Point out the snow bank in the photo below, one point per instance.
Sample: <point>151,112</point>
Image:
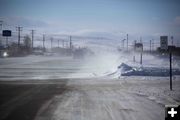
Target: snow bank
<point>126,70</point>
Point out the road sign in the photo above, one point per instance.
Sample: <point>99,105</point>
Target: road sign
<point>164,42</point>
<point>7,33</point>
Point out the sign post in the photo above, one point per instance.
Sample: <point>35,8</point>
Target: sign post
<point>141,58</point>
<point>170,69</point>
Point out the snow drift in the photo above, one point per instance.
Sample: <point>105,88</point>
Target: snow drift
<point>126,70</point>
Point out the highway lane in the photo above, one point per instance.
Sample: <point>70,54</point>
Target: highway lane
<point>42,93</point>
<point>100,100</point>
<point>22,100</point>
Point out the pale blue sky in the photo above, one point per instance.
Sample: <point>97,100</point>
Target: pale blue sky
<point>137,17</point>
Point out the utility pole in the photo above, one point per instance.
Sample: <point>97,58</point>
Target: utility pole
<point>170,67</point>
<point>63,43</point>
<point>134,58</point>
<point>43,42</point>
<point>1,23</point>
<point>141,58</point>
<point>58,43</point>
<point>127,42</point>
<point>150,45</point>
<point>134,45</point>
<point>32,33</point>
<point>70,43</point>
<point>51,42</point>
<point>172,40</point>
<point>19,29</point>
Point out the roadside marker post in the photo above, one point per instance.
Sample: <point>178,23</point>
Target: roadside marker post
<point>170,69</point>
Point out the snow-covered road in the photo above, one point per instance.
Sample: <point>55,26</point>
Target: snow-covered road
<point>37,67</point>
<point>107,104</point>
<point>88,94</point>
<point>108,100</point>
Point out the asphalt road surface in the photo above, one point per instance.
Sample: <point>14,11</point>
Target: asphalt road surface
<point>22,100</point>
<point>75,100</point>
